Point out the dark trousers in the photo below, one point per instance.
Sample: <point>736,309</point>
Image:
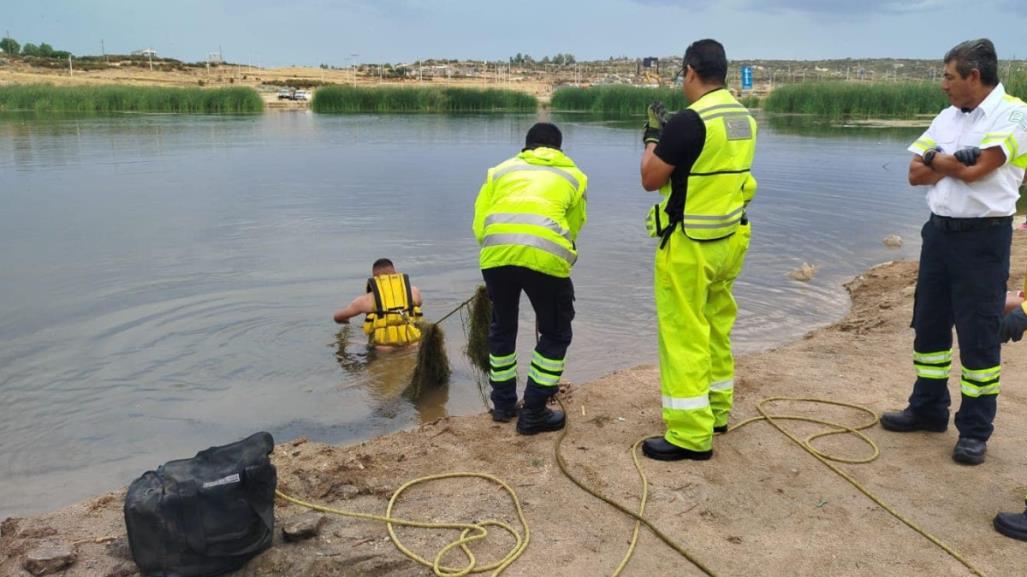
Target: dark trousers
<point>552,298</point>
<point>964,267</point>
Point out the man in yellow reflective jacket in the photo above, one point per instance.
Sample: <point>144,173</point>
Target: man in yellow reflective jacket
<point>526,219</point>
<point>392,306</point>
<point>700,162</point>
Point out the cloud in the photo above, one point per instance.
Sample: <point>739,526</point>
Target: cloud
<point>848,8</point>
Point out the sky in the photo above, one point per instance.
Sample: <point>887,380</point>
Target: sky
<point>344,32</point>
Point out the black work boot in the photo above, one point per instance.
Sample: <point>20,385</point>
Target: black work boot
<point>503,415</point>
<point>1012,525</point>
<point>663,450</point>
<point>539,420</point>
<point>906,421</point>
<point>969,451</point>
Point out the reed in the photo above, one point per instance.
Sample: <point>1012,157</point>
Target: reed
<point>355,99</point>
<point>836,99</point>
<point>432,369</point>
<point>108,99</point>
<point>480,317</point>
<point>615,99</point>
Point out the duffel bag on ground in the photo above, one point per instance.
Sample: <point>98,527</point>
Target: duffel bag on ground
<point>204,516</point>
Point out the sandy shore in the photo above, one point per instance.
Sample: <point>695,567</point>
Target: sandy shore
<point>761,506</point>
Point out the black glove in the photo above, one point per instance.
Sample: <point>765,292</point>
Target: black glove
<point>656,117</point>
<point>968,155</point>
<point>1013,325</point>
<point>930,153</point>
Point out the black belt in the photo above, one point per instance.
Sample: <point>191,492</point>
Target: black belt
<point>949,224</point>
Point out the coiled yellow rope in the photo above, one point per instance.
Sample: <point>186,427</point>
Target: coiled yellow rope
<point>469,532</point>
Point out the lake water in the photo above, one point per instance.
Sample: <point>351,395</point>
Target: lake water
<point>167,282</point>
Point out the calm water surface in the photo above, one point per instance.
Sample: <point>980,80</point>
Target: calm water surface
<point>167,282</point>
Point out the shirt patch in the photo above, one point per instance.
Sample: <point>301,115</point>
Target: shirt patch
<point>738,128</point>
<point>1018,118</point>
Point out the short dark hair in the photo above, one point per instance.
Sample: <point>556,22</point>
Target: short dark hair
<point>543,134</point>
<point>382,264</point>
<point>708,59</point>
<point>979,54</point>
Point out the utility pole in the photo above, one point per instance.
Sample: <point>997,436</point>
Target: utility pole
<point>70,71</point>
<point>102,51</point>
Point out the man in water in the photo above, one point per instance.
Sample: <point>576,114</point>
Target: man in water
<point>392,306</point>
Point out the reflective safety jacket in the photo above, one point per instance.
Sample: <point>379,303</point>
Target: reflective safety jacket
<point>710,203</point>
<point>394,321</point>
<point>529,212</point>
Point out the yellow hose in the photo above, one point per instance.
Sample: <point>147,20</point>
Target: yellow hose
<point>469,532</point>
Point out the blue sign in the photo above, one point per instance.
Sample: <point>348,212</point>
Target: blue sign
<point>747,78</point>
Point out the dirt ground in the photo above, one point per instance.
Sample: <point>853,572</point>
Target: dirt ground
<point>240,75</point>
<point>761,506</point>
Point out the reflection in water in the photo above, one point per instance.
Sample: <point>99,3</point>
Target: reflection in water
<point>386,377</point>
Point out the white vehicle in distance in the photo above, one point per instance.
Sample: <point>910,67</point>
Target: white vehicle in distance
<point>302,95</point>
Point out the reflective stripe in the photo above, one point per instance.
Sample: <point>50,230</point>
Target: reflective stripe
<point>729,113</point>
<point>932,372</point>
<point>723,385</point>
<point>971,390</point>
<point>982,375</point>
<point>702,111</point>
<point>736,212</point>
<point>566,175</point>
<point>924,143</point>
<point>718,225</point>
<point>685,403</point>
<point>503,375</point>
<point>937,357</point>
<point>532,219</point>
<point>543,378</point>
<point>556,365</point>
<point>503,361</point>
<point>532,241</point>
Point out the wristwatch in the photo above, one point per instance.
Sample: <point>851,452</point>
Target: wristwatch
<point>929,156</point>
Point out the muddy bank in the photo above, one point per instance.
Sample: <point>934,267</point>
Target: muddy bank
<point>761,506</point>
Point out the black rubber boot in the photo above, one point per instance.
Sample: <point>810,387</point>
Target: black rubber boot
<point>906,421</point>
<point>539,420</point>
<point>662,450</point>
<point>969,451</point>
<point>1012,525</point>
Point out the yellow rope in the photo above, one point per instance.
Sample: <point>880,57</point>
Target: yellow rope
<point>469,532</point>
<point>806,444</point>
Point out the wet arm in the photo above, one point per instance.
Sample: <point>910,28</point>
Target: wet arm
<point>360,305</point>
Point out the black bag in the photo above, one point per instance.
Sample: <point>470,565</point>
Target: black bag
<point>203,516</point>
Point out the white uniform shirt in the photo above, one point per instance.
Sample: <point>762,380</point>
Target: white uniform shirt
<point>1000,121</point>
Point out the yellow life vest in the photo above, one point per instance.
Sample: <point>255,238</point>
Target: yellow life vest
<point>711,204</point>
<point>394,320</point>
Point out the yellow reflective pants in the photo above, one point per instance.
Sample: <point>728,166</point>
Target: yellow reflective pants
<point>695,312</point>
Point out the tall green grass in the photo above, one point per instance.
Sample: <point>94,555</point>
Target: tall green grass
<point>835,99</point>
<point>342,99</point>
<point>615,99</point>
<point>105,99</point>
<point>901,100</point>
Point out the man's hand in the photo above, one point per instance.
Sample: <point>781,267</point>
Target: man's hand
<point>930,153</point>
<point>968,155</point>
<point>655,118</point>
<point>1013,326</point>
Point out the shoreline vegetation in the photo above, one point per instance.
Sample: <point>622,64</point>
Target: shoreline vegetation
<point>360,99</point>
<point>903,100</point>
<point>103,99</point>
<point>833,100</point>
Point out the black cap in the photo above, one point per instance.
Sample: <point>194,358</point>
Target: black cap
<point>543,134</point>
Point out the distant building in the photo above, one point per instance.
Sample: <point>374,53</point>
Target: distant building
<point>145,52</point>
